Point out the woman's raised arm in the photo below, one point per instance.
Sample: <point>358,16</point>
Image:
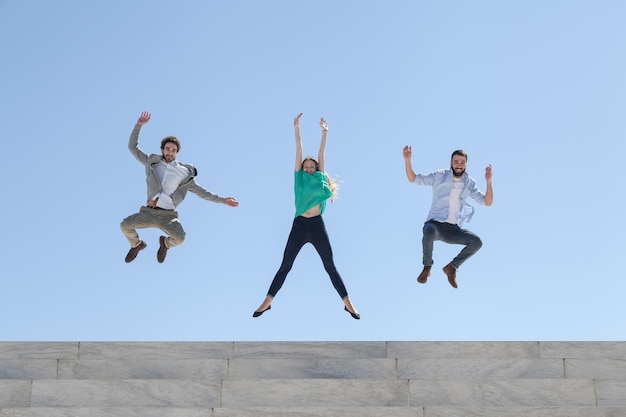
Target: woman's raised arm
<point>320,155</point>
<point>296,126</point>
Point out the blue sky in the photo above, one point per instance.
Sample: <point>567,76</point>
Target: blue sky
<point>535,88</point>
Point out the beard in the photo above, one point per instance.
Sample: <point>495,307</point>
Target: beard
<point>457,173</point>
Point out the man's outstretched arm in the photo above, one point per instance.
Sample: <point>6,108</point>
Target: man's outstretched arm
<point>205,194</point>
<point>489,192</point>
<point>133,142</point>
<point>406,153</point>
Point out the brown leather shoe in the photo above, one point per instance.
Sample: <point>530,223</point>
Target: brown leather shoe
<point>423,276</point>
<point>451,273</point>
<point>133,252</point>
<point>162,252</point>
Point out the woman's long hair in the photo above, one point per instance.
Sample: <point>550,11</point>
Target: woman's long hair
<point>333,184</point>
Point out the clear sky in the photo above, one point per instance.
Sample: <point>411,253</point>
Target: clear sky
<point>536,88</point>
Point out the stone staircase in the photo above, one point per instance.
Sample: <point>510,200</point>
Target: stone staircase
<point>347,379</point>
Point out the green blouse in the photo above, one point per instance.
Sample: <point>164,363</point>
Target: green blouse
<point>310,190</point>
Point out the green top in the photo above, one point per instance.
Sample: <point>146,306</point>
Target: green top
<point>310,190</point>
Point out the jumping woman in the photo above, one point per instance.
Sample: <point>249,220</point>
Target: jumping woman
<point>312,188</point>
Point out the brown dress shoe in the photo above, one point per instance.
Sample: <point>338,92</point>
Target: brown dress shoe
<point>451,273</point>
<point>162,252</point>
<point>132,253</point>
<point>423,276</point>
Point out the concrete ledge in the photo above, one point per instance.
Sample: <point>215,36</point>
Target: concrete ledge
<point>303,350</point>
<point>511,392</point>
<point>313,369</point>
<point>595,368</point>
<point>300,350</point>
<point>262,379</point>
<point>106,412</point>
<point>479,368</point>
<point>316,412</point>
<point>314,392</point>
<point>14,393</point>
<point>196,369</point>
<point>611,393</point>
<point>28,368</point>
<point>155,350</point>
<point>463,350</point>
<point>583,350</point>
<point>524,412</point>
<point>39,350</point>
<point>125,393</point>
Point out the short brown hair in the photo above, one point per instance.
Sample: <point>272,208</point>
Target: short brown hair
<point>171,139</point>
<point>459,152</point>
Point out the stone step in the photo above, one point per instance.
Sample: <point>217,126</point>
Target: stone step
<point>336,350</point>
<point>444,411</point>
<point>311,392</point>
<point>273,368</point>
<point>425,379</point>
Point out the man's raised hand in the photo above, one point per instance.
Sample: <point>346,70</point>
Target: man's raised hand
<point>144,118</point>
<point>406,152</point>
<point>488,173</point>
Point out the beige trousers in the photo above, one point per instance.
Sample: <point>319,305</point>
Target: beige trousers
<point>166,220</point>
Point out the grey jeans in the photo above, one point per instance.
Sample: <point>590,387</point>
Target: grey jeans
<point>166,220</point>
<point>449,233</point>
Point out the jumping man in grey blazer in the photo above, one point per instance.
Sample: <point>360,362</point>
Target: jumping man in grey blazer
<point>168,182</point>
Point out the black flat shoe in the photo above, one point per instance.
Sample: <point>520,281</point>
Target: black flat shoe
<point>258,313</point>
<point>355,316</point>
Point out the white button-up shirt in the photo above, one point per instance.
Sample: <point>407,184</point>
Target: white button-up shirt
<point>171,175</point>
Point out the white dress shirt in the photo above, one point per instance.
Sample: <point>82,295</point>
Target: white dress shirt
<point>171,175</point>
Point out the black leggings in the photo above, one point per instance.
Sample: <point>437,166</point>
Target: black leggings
<point>308,230</point>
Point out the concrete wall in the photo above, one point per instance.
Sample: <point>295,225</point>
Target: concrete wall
<point>262,379</point>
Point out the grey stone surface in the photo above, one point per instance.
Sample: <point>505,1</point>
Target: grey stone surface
<point>316,412</point>
<point>197,369</point>
<point>524,412</point>
<point>347,379</point>
<point>463,350</point>
<point>312,368</point>
<point>510,392</point>
<point>155,350</point>
<point>595,368</point>
<point>299,350</point>
<point>314,392</point>
<point>583,350</point>
<point>28,368</point>
<point>38,350</point>
<point>125,393</point>
<point>106,412</point>
<point>319,412</point>
<point>611,393</point>
<point>479,368</point>
<point>14,393</point>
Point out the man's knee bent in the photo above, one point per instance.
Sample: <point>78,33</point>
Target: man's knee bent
<point>176,239</point>
<point>126,224</point>
<point>430,230</point>
<point>476,243</point>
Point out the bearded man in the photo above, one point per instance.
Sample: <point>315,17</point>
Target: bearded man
<point>449,210</point>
